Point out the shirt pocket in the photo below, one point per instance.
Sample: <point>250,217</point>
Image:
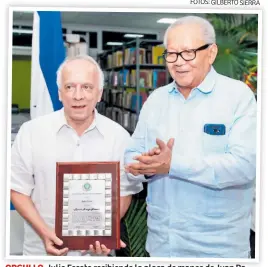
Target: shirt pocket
<point>216,143</point>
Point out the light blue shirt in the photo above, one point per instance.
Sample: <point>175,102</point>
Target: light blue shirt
<point>203,207</point>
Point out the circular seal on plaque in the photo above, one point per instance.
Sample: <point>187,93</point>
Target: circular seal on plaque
<point>87,187</point>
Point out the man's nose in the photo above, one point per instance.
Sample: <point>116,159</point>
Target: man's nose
<point>78,93</point>
<point>180,61</point>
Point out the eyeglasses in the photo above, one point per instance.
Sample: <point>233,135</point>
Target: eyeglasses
<point>187,55</point>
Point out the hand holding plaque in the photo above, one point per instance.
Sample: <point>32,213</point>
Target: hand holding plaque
<point>88,204</point>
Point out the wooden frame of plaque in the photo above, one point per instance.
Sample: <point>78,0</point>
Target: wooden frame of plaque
<point>70,177</point>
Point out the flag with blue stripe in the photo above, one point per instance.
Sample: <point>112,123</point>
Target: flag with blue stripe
<point>48,52</point>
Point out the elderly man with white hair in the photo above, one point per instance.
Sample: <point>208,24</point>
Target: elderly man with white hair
<point>75,133</point>
<point>195,145</point>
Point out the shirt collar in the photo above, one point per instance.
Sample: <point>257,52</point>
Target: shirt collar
<point>206,86</point>
<point>61,122</point>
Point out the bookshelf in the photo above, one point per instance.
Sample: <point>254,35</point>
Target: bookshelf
<point>132,71</point>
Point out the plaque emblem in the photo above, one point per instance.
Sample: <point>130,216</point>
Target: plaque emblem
<point>87,186</point>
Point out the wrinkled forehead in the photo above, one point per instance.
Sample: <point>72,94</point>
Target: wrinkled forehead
<point>80,70</point>
<point>78,65</point>
<point>185,36</point>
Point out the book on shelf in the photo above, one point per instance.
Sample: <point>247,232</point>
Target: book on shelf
<point>145,78</point>
<point>123,77</point>
<point>149,55</point>
<point>118,58</point>
<point>159,78</point>
<point>148,78</point>
<point>117,78</point>
<point>115,59</point>
<point>109,61</point>
<point>130,56</point>
<point>157,55</point>
<point>152,78</point>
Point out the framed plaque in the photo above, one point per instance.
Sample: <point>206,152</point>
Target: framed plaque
<point>88,204</point>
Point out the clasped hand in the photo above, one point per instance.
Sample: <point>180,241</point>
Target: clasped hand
<point>155,161</point>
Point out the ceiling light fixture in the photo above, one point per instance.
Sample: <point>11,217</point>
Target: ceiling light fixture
<point>166,20</point>
<point>132,35</point>
<point>22,31</point>
<point>114,43</point>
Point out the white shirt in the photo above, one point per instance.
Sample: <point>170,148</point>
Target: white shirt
<point>41,143</point>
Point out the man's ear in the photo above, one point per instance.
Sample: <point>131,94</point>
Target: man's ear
<point>59,93</point>
<point>213,53</point>
<point>100,95</point>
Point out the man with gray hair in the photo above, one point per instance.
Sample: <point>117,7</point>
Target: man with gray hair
<point>75,133</point>
<point>195,145</point>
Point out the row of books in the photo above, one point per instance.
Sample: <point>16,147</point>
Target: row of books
<point>125,118</point>
<point>121,106</point>
<point>126,99</point>
<point>152,78</point>
<point>150,55</point>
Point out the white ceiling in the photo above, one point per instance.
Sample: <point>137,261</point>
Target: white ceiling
<point>109,19</point>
